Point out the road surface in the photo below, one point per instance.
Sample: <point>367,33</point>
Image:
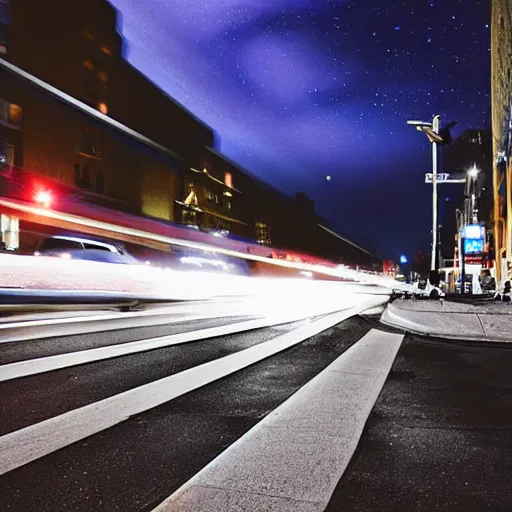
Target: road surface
<point>215,415</point>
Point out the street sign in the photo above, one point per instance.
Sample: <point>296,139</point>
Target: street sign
<point>440,177</point>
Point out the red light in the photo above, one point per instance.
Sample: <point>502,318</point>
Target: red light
<point>44,198</point>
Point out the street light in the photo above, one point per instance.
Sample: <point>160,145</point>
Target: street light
<point>431,130</point>
<point>471,186</point>
<point>473,172</point>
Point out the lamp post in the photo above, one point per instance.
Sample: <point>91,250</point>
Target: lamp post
<point>471,193</point>
<point>432,132</point>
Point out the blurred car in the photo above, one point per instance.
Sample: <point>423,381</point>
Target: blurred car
<point>78,248</point>
<point>187,259</point>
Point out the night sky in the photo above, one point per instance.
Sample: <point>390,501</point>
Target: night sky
<point>300,90</point>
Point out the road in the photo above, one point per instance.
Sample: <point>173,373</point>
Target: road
<point>169,411</point>
<point>49,273</point>
<point>125,432</point>
<point>440,435</point>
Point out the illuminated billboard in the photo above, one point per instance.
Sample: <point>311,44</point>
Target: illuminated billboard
<point>474,232</point>
<point>474,246</point>
<point>474,239</point>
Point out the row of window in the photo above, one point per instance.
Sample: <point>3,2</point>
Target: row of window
<point>89,179</point>
<point>95,78</point>
<point>218,200</point>
<point>191,217</point>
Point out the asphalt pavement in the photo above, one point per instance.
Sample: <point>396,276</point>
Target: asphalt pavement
<point>34,348</point>
<point>285,417</point>
<point>138,463</point>
<point>440,435</point>
<point>39,397</point>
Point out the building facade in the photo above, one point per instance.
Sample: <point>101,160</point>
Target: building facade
<point>55,138</point>
<point>501,87</point>
<point>74,113</point>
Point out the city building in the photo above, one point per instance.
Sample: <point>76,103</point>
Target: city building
<point>469,158</point>
<point>77,117</point>
<point>501,89</point>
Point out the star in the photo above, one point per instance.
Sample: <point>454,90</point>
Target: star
<point>307,85</point>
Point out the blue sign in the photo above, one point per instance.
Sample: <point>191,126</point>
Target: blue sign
<point>474,239</point>
<point>474,232</point>
<point>403,259</point>
<point>473,246</point>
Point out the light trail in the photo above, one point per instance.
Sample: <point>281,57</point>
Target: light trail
<point>341,273</point>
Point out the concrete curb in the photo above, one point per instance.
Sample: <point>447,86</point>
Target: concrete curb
<point>457,325</point>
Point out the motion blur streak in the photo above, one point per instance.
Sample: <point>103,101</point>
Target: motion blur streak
<point>147,282</point>
<point>342,273</point>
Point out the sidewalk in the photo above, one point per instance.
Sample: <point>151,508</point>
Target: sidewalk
<point>486,321</point>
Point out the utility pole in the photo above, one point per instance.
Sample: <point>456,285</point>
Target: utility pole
<point>435,128</point>
<point>431,130</point>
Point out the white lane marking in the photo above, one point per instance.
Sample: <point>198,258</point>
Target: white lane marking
<point>28,444</point>
<point>72,326</point>
<point>35,366</point>
<point>299,452</point>
<point>51,363</point>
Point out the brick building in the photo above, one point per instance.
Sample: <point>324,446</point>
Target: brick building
<point>501,86</point>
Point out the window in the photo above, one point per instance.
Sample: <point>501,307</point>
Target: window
<point>52,244</point>
<point>95,89</point>
<point>228,179</point>
<point>189,217</point>
<point>220,224</point>
<point>95,81</point>
<point>76,170</point>
<point>103,76</point>
<point>96,247</point>
<point>10,154</point>
<point>86,182</point>
<point>262,233</point>
<point>100,182</point>
<point>92,144</point>
<point>15,115</point>
<point>11,115</point>
<point>212,197</point>
<point>226,201</point>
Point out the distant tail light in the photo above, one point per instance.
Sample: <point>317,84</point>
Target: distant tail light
<point>43,198</point>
